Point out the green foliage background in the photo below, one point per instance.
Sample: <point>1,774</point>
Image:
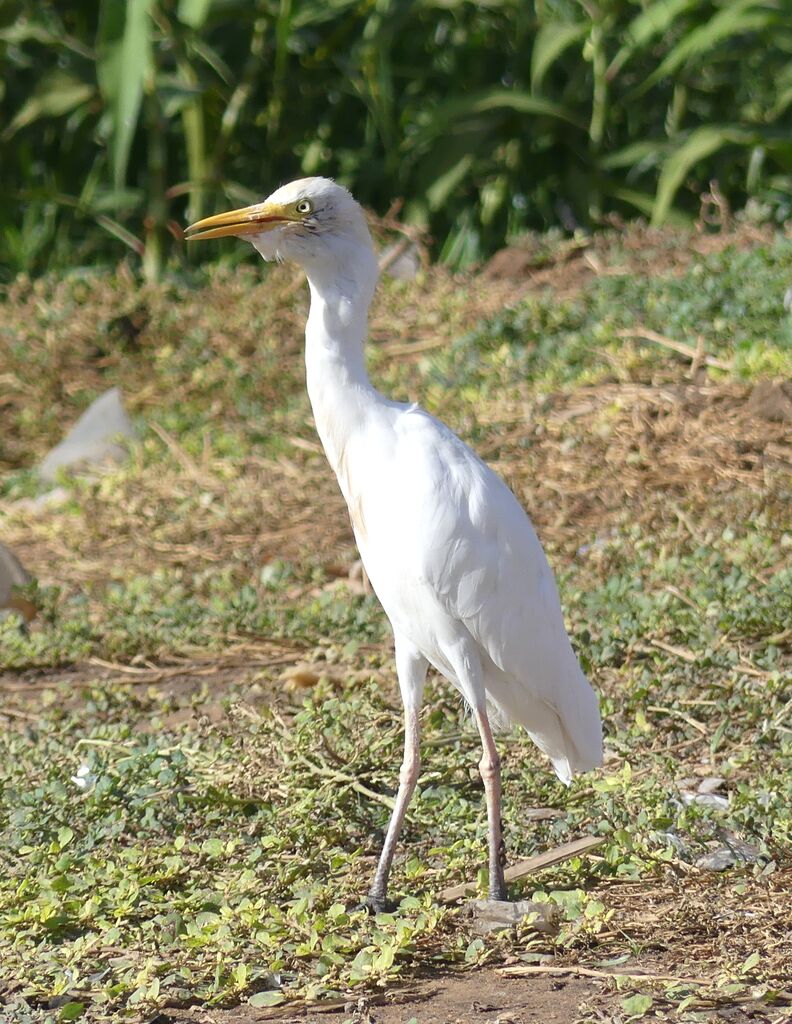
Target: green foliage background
<point>121,119</point>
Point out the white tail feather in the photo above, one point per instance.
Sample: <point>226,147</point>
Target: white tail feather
<point>570,735</point>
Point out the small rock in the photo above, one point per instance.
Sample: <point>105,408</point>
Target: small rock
<point>401,261</point>
<point>496,915</point>
<point>710,785</point>
<point>301,676</point>
<point>719,803</point>
<point>736,851</point>
<point>677,843</point>
<point>541,813</point>
<point>55,498</point>
<point>13,577</point>
<point>91,442</point>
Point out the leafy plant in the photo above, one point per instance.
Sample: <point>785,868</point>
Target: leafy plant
<point>124,120</point>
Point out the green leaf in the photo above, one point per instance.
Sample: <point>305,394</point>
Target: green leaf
<point>57,93</point>
<point>551,41</point>
<point>71,1011</point>
<point>123,66</point>
<point>718,735</point>
<point>439,191</point>
<point>383,961</point>
<point>637,1005</point>
<point>65,836</point>
<point>452,115</point>
<point>651,22</point>
<point>193,12</point>
<point>267,999</point>
<point>734,19</point>
<point>474,951</point>
<point>698,145</point>
<point>635,153</point>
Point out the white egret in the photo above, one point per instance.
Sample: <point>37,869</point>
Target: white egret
<point>450,553</point>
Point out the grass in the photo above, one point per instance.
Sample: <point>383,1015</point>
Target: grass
<point>211,671</point>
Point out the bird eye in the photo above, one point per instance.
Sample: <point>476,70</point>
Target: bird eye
<point>304,206</point>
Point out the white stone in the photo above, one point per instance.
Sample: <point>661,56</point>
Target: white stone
<point>400,262</point>
<point>92,441</point>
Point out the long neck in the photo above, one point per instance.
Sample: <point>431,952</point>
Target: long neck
<point>339,389</point>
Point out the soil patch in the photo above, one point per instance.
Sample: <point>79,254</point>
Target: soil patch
<point>477,997</point>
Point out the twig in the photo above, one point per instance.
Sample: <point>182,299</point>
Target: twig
<point>313,447</point>
<point>410,348</point>
<point>13,713</point>
<point>693,722</point>
<point>398,250</point>
<point>529,866</point>
<point>521,971</point>
<point>693,354</point>
<point>188,465</point>
<point>333,775</point>
<point>678,652</point>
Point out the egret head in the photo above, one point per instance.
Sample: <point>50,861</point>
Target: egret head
<point>310,221</point>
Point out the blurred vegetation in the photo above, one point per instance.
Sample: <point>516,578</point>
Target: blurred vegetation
<point>123,120</point>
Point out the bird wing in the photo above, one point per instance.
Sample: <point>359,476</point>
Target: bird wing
<point>480,556</point>
<point>478,550</point>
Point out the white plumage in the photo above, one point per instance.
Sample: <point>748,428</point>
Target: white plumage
<point>449,551</point>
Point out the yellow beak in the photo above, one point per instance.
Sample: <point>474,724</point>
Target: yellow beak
<point>249,220</point>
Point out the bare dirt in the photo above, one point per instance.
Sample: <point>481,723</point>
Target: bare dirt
<point>481,996</point>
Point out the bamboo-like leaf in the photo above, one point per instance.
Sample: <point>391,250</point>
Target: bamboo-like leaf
<point>453,113</point>
<point>522,103</point>
<point>651,22</point>
<point>735,19</point>
<point>783,90</point>
<point>322,11</point>
<point>121,233</point>
<point>698,145</point>
<point>440,189</point>
<point>124,64</point>
<point>551,41</point>
<point>58,93</point>
<point>194,12</point>
<point>644,202</point>
<point>636,153</point>
<point>108,47</point>
<point>195,137</point>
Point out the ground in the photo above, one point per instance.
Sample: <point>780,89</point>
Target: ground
<point>202,726</point>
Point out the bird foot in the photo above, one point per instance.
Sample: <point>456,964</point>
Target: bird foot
<point>377,904</point>
<point>494,915</point>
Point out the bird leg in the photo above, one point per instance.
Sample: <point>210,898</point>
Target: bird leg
<point>408,777</point>
<point>489,766</point>
<point>411,668</point>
